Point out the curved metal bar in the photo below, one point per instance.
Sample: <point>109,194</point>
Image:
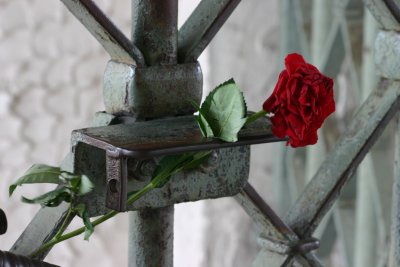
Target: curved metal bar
<point>394,8</point>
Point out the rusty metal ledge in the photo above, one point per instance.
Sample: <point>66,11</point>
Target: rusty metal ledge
<point>169,136</point>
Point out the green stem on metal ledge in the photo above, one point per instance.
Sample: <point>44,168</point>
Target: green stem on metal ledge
<point>150,186</point>
<point>255,116</point>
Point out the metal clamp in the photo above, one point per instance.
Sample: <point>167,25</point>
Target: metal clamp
<point>152,92</point>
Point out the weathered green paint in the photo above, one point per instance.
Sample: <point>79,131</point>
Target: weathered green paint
<point>113,40</point>
<point>226,177</point>
<point>387,54</point>
<point>277,240</point>
<point>153,224</point>
<point>152,92</point>
<point>202,25</point>
<point>154,30</point>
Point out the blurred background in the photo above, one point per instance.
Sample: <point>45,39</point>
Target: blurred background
<point>51,83</point>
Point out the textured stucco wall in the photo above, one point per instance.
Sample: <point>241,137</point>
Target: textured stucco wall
<point>50,84</point>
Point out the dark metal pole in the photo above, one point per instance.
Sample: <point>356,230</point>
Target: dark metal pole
<point>154,32</point>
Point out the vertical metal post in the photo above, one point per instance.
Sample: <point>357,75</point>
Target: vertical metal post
<point>154,31</point>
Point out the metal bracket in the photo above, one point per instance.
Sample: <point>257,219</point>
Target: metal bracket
<point>112,152</point>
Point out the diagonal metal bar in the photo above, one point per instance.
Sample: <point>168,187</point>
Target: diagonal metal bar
<point>263,215</point>
<point>341,163</point>
<point>42,229</point>
<point>276,234</point>
<point>394,8</point>
<point>201,27</point>
<point>117,45</point>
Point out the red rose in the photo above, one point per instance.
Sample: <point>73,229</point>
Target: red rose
<point>301,101</point>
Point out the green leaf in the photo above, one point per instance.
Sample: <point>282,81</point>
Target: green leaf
<point>85,185</point>
<point>166,167</point>
<point>38,173</point>
<point>82,212</point>
<point>80,184</point>
<point>52,198</point>
<point>223,113</point>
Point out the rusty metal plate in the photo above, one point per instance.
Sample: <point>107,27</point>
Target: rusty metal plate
<point>165,137</point>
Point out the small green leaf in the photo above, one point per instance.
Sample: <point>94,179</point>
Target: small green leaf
<point>223,113</point>
<point>38,173</point>
<point>85,185</point>
<point>52,198</point>
<point>82,212</point>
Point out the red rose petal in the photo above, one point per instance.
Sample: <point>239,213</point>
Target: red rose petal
<point>293,62</point>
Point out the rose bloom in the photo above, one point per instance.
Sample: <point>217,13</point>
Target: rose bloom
<point>301,101</point>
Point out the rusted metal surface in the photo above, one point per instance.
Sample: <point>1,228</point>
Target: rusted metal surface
<point>201,27</point>
<point>117,181</point>
<point>152,92</point>
<point>165,137</point>
<point>151,224</point>
<point>8,259</point>
<point>107,34</point>
<point>155,138</point>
